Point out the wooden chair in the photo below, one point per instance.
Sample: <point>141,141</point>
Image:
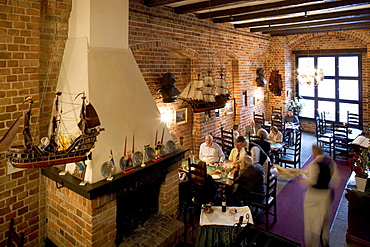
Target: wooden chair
<point>228,140</point>
<point>276,113</point>
<point>291,155</point>
<point>340,142</point>
<point>203,187</point>
<point>269,199</point>
<point>279,124</point>
<point>324,138</point>
<point>14,237</point>
<point>259,119</point>
<point>353,120</point>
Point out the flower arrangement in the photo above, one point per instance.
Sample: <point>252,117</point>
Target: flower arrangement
<point>181,140</point>
<point>207,208</point>
<point>360,162</point>
<point>295,105</point>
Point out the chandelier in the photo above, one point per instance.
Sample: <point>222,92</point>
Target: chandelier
<point>310,75</point>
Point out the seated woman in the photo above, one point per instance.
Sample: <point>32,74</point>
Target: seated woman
<point>275,135</point>
<point>248,177</point>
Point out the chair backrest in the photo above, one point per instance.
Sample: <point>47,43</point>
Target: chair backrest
<point>340,132</point>
<point>14,237</point>
<point>202,185</point>
<point>271,182</point>
<point>276,113</point>
<point>259,119</point>
<point>228,140</point>
<point>279,124</point>
<point>353,120</point>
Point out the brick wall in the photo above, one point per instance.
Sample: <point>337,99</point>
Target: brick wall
<point>73,220</point>
<point>27,32</point>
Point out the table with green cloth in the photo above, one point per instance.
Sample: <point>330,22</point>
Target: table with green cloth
<point>222,178</point>
<point>221,227</point>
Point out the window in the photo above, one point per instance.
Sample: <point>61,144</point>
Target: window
<point>339,92</point>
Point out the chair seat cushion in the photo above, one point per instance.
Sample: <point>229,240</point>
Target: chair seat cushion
<point>287,158</point>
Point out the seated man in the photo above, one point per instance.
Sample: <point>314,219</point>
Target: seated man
<point>255,151</point>
<point>291,118</point>
<point>249,177</point>
<point>238,152</point>
<point>210,152</point>
<point>252,128</point>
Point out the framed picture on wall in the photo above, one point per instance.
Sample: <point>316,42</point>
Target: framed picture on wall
<point>181,116</point>
<point>252,101</point>
<point>229,107</point>
<point>245,98</point>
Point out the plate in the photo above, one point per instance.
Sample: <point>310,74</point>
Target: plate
<point>150,153</point>
<point>137,158</point>
<point>171,146</point>
<point>216,176</point>
<point>123,163</point>
<point>107,169</point>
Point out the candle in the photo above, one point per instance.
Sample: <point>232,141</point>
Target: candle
<point>156,135</point>
<point>162,136</point>
<point>133,143</point>
<point>124,151</point>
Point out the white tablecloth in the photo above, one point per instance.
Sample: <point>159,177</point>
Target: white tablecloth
<point>225,219</point>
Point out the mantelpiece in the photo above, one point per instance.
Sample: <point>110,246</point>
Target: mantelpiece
<point>122,182</point>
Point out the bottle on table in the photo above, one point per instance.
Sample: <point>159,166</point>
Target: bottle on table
<point>191,156</point>
<point>223,203</point>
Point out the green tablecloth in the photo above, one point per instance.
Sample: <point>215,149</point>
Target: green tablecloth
<point>210,235</point>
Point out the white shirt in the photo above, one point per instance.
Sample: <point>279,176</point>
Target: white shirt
<point>234,154</point>
<point>212,154</point>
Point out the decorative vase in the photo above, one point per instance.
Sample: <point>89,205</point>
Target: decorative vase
<point>361,184</point>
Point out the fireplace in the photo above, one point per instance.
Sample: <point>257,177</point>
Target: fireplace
<point>107,212</point>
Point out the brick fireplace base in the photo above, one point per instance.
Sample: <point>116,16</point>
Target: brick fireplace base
<point>159,230</point>
<point>73,220</point>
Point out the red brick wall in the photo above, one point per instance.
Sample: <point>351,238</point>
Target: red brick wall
<point>27,33</point>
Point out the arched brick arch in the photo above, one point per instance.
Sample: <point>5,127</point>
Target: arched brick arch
<point>359,37</point>
<point>227,53</point>
<point>184,50</point>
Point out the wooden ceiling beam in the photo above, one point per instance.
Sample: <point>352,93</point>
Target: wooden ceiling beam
<point>331,28</point>
<point>190,8</point>
<point>260,7</point>
<point>339,15</point>
<point>353,21</point>
<point>294,10</point>
<point>154,3</point>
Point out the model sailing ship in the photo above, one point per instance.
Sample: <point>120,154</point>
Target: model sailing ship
<point>55,149</point>
<point>206,95</point>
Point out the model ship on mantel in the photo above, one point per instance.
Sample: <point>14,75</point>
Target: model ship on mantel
<point>58,148</point>
<point>206,95</point>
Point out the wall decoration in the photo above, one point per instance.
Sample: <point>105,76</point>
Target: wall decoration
<point>252,101</point>
<point>245,98</point>
<point>229,107</point>
<point>217,112</point>
<point>79,170</point>
<point>181,116</point>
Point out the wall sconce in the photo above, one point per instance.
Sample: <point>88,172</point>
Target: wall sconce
<point>166,116</point>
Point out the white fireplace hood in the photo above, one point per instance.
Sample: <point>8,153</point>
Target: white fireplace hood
<point>97,61</point>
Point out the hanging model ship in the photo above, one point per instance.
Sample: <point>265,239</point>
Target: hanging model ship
<point>206,95</point>
<point>55,149</point>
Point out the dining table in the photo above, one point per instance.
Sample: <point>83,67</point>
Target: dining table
<point>222,227</point>
<point>221,173</point>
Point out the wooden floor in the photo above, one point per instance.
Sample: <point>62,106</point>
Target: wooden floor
<point>339,227</point>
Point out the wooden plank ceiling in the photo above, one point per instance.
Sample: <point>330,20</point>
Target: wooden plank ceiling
<point>276,17</point>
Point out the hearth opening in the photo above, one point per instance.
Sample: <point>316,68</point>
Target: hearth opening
<point>135,207</point>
